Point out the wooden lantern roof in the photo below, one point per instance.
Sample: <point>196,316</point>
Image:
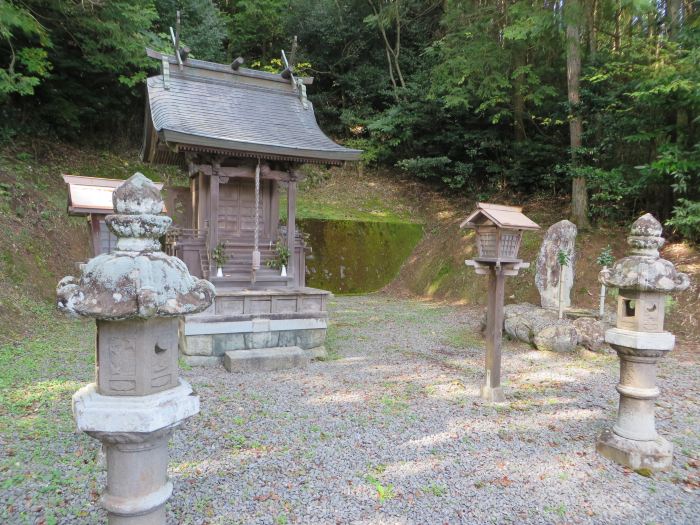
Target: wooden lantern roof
<point>205,107</point>
<point>504,217</point>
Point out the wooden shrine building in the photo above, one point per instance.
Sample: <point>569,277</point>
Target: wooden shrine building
<point>241,134</point>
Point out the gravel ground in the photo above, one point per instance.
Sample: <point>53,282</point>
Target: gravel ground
<point>391,430</point>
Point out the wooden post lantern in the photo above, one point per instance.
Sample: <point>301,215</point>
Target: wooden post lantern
<point>499,230</point>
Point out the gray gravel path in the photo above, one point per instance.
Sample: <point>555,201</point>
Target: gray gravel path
<point>389,431</point>
<point>393,432</point>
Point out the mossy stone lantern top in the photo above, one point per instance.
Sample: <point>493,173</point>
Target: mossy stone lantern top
<point>644,279</point>
<point>137,280</point>
<point>499,230</point>
<point>136,294</point>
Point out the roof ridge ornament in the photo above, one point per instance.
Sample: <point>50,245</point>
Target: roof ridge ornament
<point>288,73</point>
<point>181,53</point>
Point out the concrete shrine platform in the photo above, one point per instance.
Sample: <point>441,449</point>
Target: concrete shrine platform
<point>274,318</point>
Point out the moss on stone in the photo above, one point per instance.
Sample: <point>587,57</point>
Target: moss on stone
<point>357,256</point>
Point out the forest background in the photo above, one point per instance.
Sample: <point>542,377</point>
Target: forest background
<point>595,99</point>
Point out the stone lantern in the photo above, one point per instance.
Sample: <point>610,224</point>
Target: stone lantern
<point>644,280</point>
<point>499,230</point>
<point>136,294</point>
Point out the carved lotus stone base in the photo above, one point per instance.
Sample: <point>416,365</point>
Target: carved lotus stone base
<point>656,455</point>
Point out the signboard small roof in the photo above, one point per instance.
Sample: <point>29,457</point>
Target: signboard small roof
<point>506,217</point>
<point>88,195</point>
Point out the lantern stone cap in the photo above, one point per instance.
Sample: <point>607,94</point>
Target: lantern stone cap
<point>137,280</point>
<point>645,270</point>
<point>505,217</point>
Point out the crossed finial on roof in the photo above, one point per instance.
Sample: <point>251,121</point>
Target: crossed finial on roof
<point>180,52</point>
<point>288,73</point>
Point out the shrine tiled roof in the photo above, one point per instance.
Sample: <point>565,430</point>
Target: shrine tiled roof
<point>207,107</point>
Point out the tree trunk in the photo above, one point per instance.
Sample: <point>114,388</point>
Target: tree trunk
<point>392,52</point>
<point>579,192</point>
<point>616,36</point>
<point>518,99</point>
<point>591,14</point>
<point>675,18</point>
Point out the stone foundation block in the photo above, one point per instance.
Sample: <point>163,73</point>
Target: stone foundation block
<point>266,359</point>
<point>308,339</point>
<point>255,340</point>
<point>202,360</point>
<point>656,455</point>
<point>288,338</point>
<point>197,345</point>
<point>226,342</point>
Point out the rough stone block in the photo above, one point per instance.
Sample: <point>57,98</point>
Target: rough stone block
<point>559,237</point>
<point>591,333</point>
<point>560,337</point>
<point>198,345</point>
<point>654,455</point>
<point>317,353</point>
<point>265,359</point>
<point>226,342</point>
<point>540,327</point>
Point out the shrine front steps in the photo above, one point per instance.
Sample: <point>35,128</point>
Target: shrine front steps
<point>266,359</point>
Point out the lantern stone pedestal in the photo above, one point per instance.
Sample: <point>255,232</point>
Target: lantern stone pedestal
<point>138,295</point>
<point>135,431</point>
<point>633,440</point>
<point>499,231</point>
<point>644,280</point>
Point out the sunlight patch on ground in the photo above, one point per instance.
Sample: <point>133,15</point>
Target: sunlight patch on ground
<point>430,441</point>
<point>338,397</point>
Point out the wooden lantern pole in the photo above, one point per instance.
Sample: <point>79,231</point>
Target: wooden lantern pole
<point>492,390</point>
<point>497,261</point>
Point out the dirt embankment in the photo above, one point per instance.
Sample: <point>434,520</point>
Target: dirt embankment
<point>436,268</point>
<point>39,242</point>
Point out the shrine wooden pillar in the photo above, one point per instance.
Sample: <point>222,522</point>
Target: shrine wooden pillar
<point>95,234</point>
<point>291,221</point>
<point>213,214</point>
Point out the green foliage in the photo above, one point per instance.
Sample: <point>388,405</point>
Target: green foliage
<point>218,254</point>
<point>384,492</point>
<point>256,30</point>
<point>611,192</point>
<point>203,26</point>
<point>26,40</point>
<point>85,59</point>
<point>470,95</point>
<point>281,255</point>
<point>680,169</point>
<point>605,258</point>
<point>686,219</point>
<point>563,258</point>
